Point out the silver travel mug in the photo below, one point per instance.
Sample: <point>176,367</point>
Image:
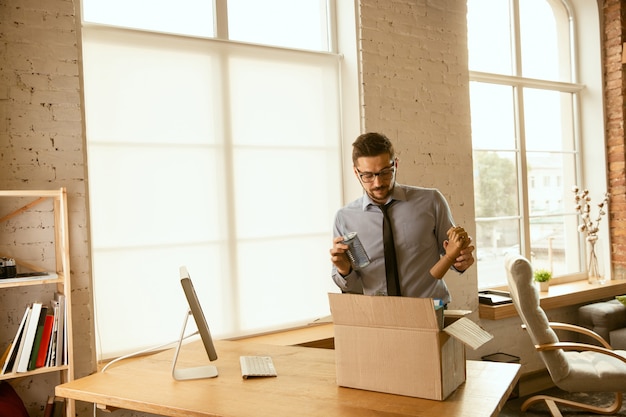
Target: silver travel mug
<point>356,252</point>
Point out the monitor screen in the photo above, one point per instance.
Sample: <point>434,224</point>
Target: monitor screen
<point>203,328</point>
<point>197,313</point>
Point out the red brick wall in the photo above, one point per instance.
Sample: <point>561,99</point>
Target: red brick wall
<point>614,91</point>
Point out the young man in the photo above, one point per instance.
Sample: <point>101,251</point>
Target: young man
<point>425,239</point>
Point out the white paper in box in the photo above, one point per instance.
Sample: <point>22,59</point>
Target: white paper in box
<point>395,345</point>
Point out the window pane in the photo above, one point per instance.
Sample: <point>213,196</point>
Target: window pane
<point>268,103</point>
<point>556,244</point>
<point>549,120</point>
<point>493,124</point>
<point>497,212</point>
<point>544,42</point>
<point>269,264</point>
<point>298,24</point>
<point>498,238</point>
<point>489,36</point>
<point>554,238</point>
<point>495,184</point>
<point>168,186</point>
<point>135,96</point>
<point>545,183</point>
<point>185,17</point>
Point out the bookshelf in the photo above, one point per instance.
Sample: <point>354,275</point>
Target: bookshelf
<point>26,214</point>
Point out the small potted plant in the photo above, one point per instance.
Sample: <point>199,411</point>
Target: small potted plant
<point>542,276</point>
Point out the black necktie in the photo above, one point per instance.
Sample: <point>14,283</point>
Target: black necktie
<point>391,265</point>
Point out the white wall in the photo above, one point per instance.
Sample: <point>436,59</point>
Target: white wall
<point>416,90</point>
<point>41,147</point>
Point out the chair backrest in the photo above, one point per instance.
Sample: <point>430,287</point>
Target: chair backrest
<point>526,301</point>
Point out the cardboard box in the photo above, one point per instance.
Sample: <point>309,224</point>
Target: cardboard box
<point>396,345</point>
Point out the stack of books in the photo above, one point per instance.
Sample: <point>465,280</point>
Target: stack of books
<point>40,340</point>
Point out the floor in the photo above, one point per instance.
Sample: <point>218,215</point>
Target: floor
<point>512,407</point>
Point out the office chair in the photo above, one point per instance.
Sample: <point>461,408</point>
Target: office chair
<point>573,367</point>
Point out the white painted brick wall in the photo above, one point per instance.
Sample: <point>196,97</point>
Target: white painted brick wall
<point>415,90</point>
<point>42,147</point>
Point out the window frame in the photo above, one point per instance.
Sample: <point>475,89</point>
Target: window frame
<point>348,88</point>
<point>584,107</point>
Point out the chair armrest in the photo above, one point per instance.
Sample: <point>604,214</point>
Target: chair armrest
<point>581,330</point>
<point>577,329</point>
<point>579,347</point>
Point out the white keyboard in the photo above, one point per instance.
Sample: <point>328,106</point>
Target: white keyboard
<point>254,366</point>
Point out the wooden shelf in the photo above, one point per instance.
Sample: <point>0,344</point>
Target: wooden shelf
<point>22,282</point>
<point>561,295</point>
<point>60,276</point>
<point>37,371</point>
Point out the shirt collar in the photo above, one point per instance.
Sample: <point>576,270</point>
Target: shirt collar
<point>398,193</point>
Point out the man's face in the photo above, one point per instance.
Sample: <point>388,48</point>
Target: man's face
<point>377,176</point>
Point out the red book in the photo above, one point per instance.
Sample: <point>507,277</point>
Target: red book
<point>45,341</point>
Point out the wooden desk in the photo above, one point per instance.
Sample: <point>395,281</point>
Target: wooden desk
<point>305,386</point>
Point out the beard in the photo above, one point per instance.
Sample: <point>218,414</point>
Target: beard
<point>380,194</point>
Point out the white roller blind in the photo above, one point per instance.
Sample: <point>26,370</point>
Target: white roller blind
<point>219,156</point>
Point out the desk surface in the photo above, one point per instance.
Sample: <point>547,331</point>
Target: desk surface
<point>305,386</point>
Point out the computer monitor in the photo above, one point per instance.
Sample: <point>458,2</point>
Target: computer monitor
<point>195,310</point>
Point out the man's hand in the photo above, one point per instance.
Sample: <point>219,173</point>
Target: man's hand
<point>339,257</point>
<point>459,248</point>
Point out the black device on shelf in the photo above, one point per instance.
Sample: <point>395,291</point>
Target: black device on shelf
<point>494,297</point>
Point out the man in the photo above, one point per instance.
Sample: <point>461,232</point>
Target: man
<point>426,241</point>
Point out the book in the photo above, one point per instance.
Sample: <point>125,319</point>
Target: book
<point>61,349</point>
<point>45,342</point>
<point>5,354</point>
<point>38,337</point>
<point>30,332</point>
<point>52,348</point>
<point>48,410</point>
<point>59,407</point>
<point>9,364</point>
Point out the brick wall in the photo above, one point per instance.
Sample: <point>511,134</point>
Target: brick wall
<point>42,147</point>
<point>415,89</point>
<point>615,85</point>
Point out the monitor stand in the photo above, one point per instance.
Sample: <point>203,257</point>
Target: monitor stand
<point>200,372</point>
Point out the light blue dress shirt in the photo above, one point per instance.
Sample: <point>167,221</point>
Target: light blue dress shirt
<point>420,220</point>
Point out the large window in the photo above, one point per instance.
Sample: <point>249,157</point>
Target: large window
<point>219,155</point>
<point>526,135</point>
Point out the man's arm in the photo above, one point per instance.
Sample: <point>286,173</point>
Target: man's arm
<point>458,242</point>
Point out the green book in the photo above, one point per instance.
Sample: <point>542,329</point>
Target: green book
<point>38,336</point>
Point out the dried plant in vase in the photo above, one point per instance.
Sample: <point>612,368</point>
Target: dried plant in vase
<point>590,228</point>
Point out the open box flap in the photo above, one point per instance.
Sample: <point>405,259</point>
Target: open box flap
<point>468,332</point>
<point>383,311</point>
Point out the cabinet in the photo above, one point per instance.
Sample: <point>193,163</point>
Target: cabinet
<point>34,227</point>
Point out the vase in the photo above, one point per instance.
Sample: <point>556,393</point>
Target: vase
<point>595,270</point>
<point>544,286</point>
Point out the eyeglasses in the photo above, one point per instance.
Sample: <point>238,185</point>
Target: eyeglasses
<point>384,174</point>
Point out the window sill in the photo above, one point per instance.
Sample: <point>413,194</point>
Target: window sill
<point>559,295</point>
<point>319,335</point>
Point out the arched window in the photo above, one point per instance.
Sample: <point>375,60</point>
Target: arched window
<point>528,102</point>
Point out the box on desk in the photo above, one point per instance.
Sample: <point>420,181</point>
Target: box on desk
<point>396,345</point>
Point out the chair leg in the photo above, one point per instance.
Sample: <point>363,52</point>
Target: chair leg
<point>552,402</point>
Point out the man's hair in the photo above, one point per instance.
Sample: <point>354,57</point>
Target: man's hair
<point>371,144</point>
